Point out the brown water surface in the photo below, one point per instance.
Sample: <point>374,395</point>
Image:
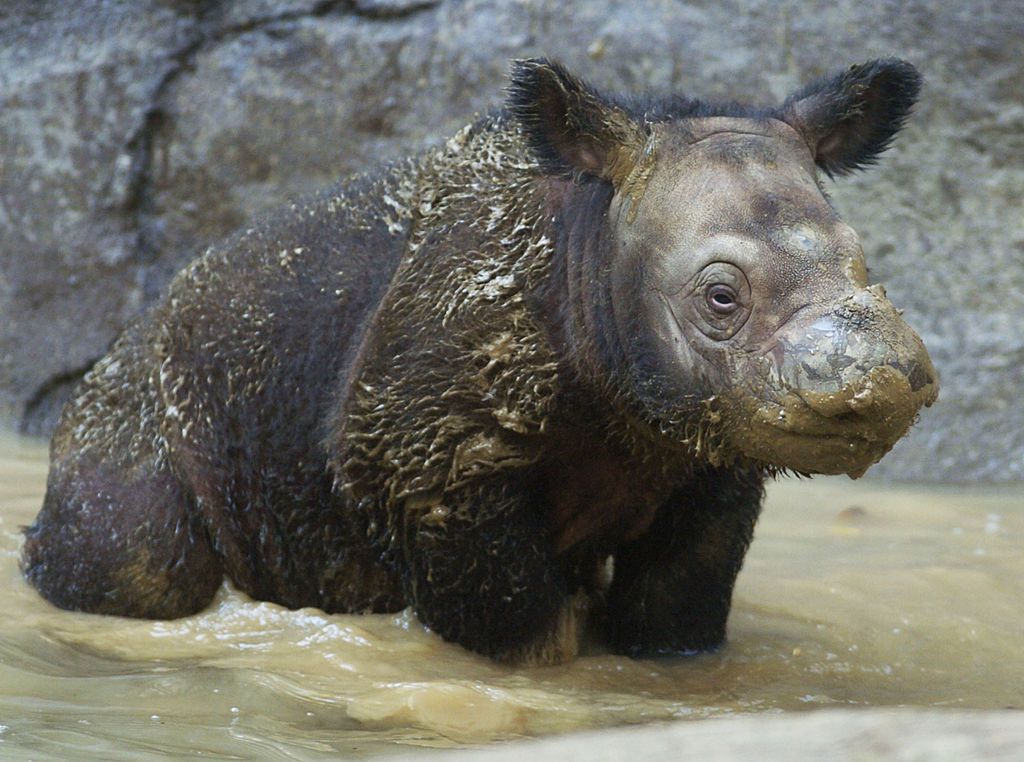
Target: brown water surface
<point>854,594</point>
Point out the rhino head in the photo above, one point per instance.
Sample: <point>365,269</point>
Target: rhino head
<point>731,303</point>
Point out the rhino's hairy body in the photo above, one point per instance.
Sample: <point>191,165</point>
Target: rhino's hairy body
<point>235,417</point>
<point>418,388</point>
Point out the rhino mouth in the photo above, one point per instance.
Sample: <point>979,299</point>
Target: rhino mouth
<point>841,432</point>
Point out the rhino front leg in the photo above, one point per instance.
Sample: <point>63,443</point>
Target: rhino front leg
<point>479,571</point>
<point>672,587</point>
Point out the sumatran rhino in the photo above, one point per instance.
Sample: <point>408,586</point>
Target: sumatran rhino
<point>542,369</point>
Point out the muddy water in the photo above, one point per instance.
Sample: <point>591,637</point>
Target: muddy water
<point>854,594</point>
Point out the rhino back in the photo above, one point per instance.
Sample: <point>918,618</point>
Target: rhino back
<point>250,347</point>
<point>264,323</point>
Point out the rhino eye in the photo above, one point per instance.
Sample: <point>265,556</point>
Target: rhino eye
<point>722,299</point>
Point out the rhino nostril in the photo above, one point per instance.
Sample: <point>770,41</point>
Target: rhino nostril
<point>836,405</point>
<point>862,400</point>
<point>918,377</point>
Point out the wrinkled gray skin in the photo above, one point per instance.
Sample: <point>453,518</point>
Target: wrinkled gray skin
<point>819,371</point>
<point>584,328</point>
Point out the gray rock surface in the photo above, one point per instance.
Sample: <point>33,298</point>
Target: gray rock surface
<point>850,735</point>
<point>134,132</point>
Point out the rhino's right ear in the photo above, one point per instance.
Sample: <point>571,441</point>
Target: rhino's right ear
<point>571,127</point>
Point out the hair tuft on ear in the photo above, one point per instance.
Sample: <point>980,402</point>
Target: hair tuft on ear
<point>569,125</point>
<point>851,118</point>
<point>538,98</point>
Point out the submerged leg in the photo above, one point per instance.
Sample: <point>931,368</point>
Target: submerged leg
<point>118,533</point>
<point>479,571</point>
<point>108,543</point>
<point>672,587</point>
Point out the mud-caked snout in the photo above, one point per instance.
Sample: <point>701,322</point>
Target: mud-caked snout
<point>838,387</point>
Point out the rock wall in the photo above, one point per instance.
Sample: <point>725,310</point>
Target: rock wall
<point>134,132</point>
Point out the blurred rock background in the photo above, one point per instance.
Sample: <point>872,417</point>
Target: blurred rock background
<point>135,132</point>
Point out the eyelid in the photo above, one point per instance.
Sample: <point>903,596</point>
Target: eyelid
<point>716,271</point>
<point>721,266</point>
<point>725,273</point>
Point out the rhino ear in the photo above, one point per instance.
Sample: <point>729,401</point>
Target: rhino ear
<point>849,119</point>
<point>569,126</point>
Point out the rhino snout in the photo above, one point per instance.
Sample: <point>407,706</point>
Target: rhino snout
<point>832,357</point>
<point>840,388</point>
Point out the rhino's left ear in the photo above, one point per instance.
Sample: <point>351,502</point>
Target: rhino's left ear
<point>850,118</point>
<point>570,126</point>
